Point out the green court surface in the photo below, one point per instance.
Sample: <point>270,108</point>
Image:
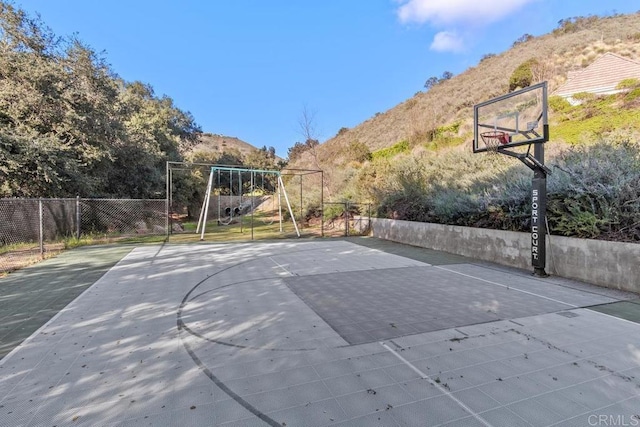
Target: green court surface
<point>429,256</point>
<point>33,295</point>
<point>628,310</point>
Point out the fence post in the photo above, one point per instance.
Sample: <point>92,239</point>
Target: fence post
<point>322,203</point>
<point>41,229</point>
<point>252,195</point>
<point>78,217</point>
<point>346,219</point>
<point>167,190</point>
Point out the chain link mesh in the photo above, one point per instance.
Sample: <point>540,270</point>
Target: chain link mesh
<point>122,217</point>
<point>347,219</point>
<point>19,233</point>
<point>30,229</point>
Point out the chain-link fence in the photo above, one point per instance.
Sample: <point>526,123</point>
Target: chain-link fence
<point>32,228</point>
<point>347,219</point>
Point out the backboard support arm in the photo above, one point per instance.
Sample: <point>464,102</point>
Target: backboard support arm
<point>529,160</point>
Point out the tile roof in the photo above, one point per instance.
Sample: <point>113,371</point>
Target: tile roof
<point>602,76</point>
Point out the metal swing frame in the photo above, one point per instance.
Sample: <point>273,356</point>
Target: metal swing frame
<point>280,190</point>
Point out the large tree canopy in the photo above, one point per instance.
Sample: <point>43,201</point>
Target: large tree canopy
<point>70,126</point>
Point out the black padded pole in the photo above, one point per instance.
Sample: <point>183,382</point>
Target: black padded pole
<point>538,214</point>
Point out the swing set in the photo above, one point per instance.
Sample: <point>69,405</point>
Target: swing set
<point>237,210</point>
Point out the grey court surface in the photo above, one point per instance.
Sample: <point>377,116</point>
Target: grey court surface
<point>326,332</point>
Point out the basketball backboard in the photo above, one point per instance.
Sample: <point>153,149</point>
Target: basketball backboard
<point>517,118</point>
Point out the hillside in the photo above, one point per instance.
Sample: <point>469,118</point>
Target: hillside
<point>214,148</point>
<point>221,143</point>
<point>442,116</point>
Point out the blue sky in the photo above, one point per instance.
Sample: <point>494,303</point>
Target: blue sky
<point>248,68</point>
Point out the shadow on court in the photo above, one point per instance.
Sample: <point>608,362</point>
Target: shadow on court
<point>33,295</point>
<point>322,332</point>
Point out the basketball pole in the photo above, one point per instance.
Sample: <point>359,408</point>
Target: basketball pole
<point>539,214</point>
<point>538,203</point>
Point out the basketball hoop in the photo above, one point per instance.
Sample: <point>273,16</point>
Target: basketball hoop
<point>494,139</point>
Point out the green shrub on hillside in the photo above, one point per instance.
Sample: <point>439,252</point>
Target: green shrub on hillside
<point>446,141</point>
<point>593,191</point>
<point>628,84</point>
<point>358,152</point>
<point>576,23</point>
<point>583,96</point>
<point>443,136</point>
<point>451,128</point>
<point>522,76</point>
<point>632,95</point>
<point>558,104</point>
<point>395,149</point>
<point>595,117</point>
<point>574,131</point>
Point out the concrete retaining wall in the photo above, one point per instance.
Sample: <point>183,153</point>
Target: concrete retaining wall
<point>610,264</point>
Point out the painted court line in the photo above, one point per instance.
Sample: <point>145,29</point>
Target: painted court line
<point>438,386</point>
<point>281,266</point>
<point>613,317</point>
<point>507,287</point>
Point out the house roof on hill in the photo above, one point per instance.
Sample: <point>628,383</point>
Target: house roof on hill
<point>602,76</point>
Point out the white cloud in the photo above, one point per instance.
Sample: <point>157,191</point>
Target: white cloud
<point>447,12</point>
<point>447,41</point>
<point>457,17</point>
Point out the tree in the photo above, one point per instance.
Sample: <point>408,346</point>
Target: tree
<point>446,76</point>
<point>69,126</point>
<point>522,76</point>
<point>541,71</point>
<point>487,56</point>
<point>21,33</point>
<point>307,125</point>
<point>358,152</point>
<point>51,98</point>
<point>522,39</point>
<point>35,167</point>
<point>431,82</point>
<point>155,131</point>
<point>307,128</point>
<point>262,158</point>
<point>294,153</point>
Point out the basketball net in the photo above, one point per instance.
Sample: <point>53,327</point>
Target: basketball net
<point>494,139</point>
